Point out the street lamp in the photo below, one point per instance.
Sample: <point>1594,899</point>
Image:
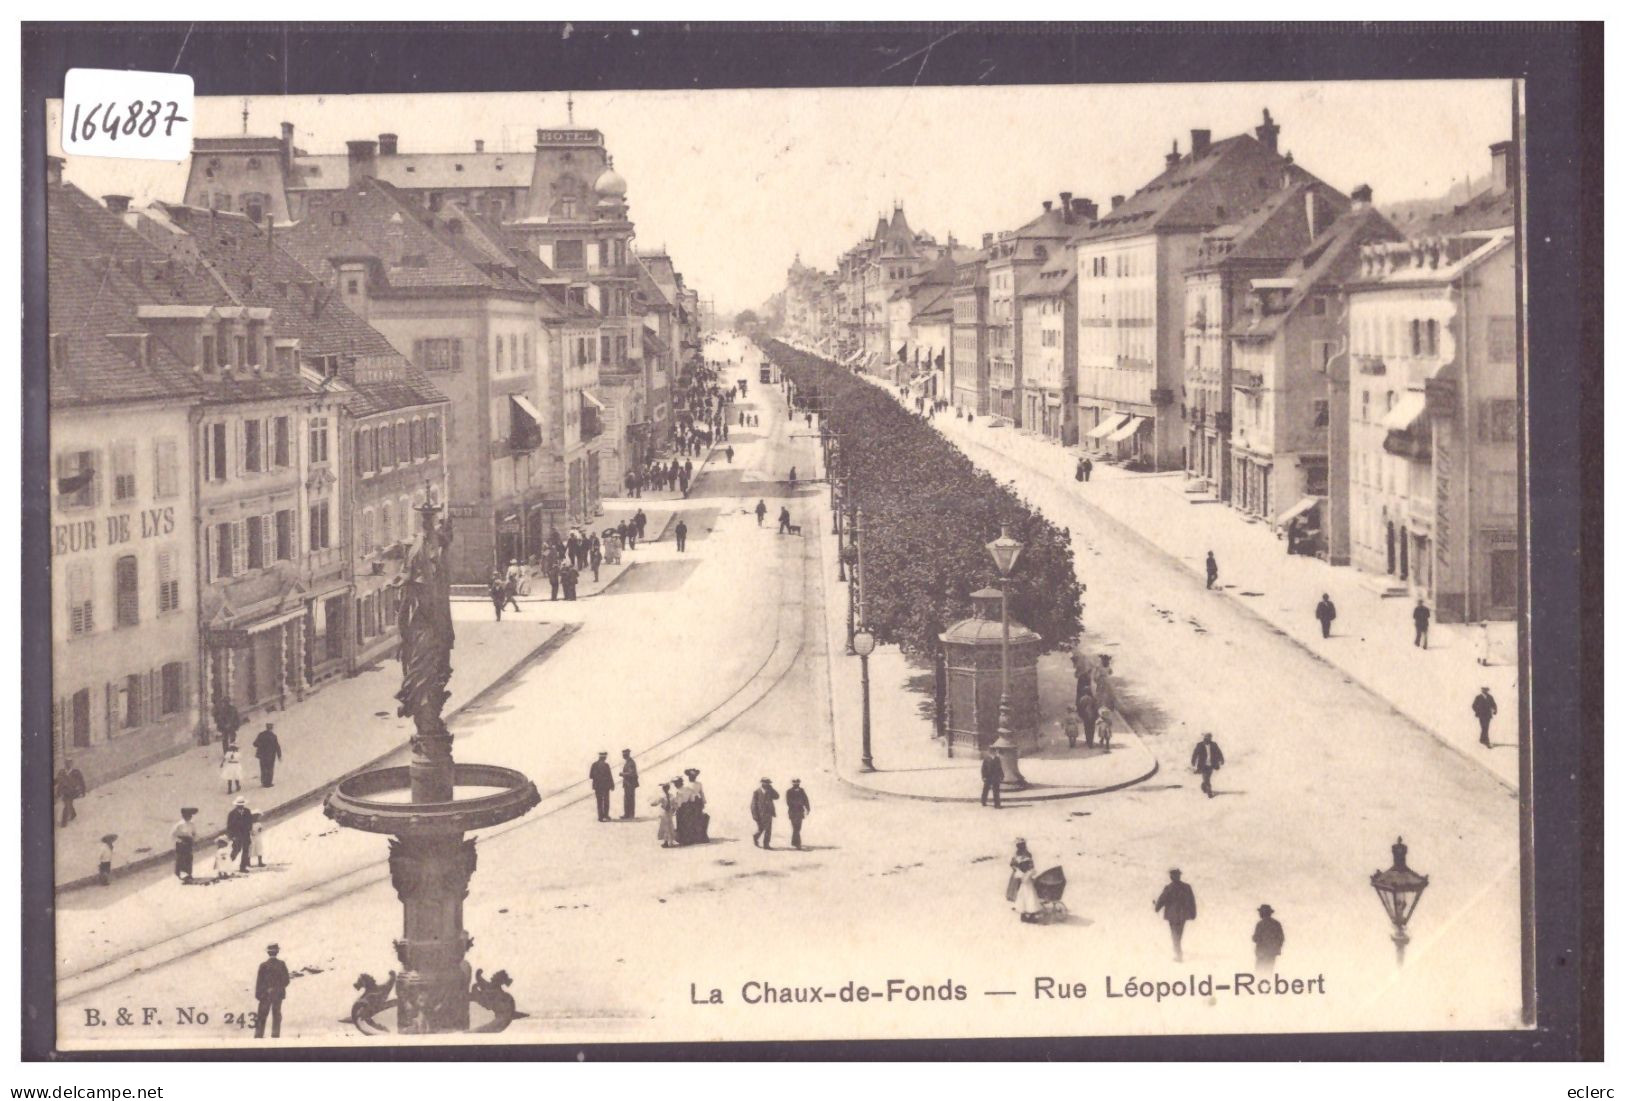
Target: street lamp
<point>1005,551</point>
<point>863,644</point>
<point>1399,889</point>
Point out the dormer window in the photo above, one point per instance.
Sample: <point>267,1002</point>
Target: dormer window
<point>339,218</point>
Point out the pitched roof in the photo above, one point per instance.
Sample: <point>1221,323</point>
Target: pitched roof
<point>1330,257</point>
<point>1277,230</point>
<point>99,272</point>
<point>331,171</point>
<point>1199,191</point>
<point>1489,209</point>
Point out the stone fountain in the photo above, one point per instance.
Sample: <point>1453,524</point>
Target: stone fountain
<point>426,807</point>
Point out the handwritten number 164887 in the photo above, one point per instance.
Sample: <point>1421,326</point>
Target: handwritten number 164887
<point>138,118</point>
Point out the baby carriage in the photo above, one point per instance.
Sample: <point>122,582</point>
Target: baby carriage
<point>1051,885</point>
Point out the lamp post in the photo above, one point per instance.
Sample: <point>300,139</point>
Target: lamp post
<point>1005,551</point>
<point>1399,889</point>
<point>864,644</point>
<point>853,582</point>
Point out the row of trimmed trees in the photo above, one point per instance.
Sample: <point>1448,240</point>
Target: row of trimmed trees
<point>928,514</point>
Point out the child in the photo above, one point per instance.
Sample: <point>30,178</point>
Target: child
<point>104,862</point>
<point>222,859</point>
<point>231,770</point>
<point>1069,726</point>
<point>256,848</point>
<point>1103,731</point>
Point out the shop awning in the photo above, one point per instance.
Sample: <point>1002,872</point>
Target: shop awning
<point>592,400</point>
<point>524,407</point>
<point>1128,429</point>
<point>1297,510</point>
<point>1109,424</point>
<point>1406,412</point>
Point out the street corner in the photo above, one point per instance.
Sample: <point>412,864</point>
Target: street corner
<point>1052,774</point>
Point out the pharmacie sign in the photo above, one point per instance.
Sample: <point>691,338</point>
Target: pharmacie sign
<point>110,531</point>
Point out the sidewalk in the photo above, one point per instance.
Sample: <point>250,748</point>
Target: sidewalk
<point>1371,639</point>
<point>911,762</point>
<point>345,726</point>
<point>615,509</point>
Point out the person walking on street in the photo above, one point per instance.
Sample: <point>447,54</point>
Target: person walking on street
<point>798,807</point>
<point>499,594</point>
<point>629,785</point>
<point>1325,611</point>
<point>269,751</point>
<point>666,833</point>
<point>784,519</point>
<point>184,833</point>
<point>641,521</point>
<point>595,556</point>
<point>681,532</point>
<point>603,782</point>
<point>992,777</point>
<point>1022,890</point>
<point>256,841</point>
<point>730,453</point>
<point>1088,467</point>
<point>1077,473</point>
<point>104,860</point>
<point>1420,615</point>
<point>1088,711</point>
<point>568,577</point>
<point>1177,902</point>
<point>70,787</point>
<point>240,829</point>
<point>1268,937</point>
<point>762,813</point>
<point>270,987</point>
<point>1103,729</point>
<point>1484,709</point>
<point>1207,758</point>
<point>761,511</point>
<point>1212,569</point>
<point>515,576</point>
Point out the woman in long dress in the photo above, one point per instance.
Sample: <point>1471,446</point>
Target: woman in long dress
<point>667,833</point>
<point>1023,872</point>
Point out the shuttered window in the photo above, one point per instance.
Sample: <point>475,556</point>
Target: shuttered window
<point>169,585</point>
<point>124,483</point>
<point>129,591</point>
<point>284,535</point>
<point>81,603</point>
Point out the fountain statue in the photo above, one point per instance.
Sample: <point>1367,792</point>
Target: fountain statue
<point>430,861</point>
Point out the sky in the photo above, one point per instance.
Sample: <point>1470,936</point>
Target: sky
<point>736,184</point>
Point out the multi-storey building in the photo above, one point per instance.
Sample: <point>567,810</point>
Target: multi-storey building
<point>124,596</point>
<point>1131,289</point>
<point>472,320</point>
<point>385,438</point>
<point>1013,258</point>
<point>1049,343</point>
<point>969,377</point>
<point>1229,262</point>
<point>1284,340</point>
<point>1433,408</point>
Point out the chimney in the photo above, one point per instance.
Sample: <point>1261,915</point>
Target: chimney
<point>53,171</point>
<point>1173,157</point>
<point>287,133</point>
<point>287,146</point>
<point>388,144</point>
<point>987,240</point>
<point>1310,210</point>
<point>1085,209</point>
<point>1200,140</point>
<point>1066,207</point>
<point>1503,166</point>
<point>1268,132</point>
<point>1047,204</point>
<point>1361,196</point>
<point>363,161</point>
<point>479,145</point>
<point>1117,201</point>
<point>118,204</point>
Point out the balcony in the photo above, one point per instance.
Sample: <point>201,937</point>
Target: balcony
<point>1247,380</point>
<point>1370,365</point>
<point>1162,395</point>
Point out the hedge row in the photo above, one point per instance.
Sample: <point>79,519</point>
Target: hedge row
<point>928,514</point>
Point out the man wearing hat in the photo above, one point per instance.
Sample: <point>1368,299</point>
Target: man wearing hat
<point>603,782</point>
<point>629,785</point>
<point>1484,710</point>
<point>1267,940</point>
<point>270,986</point>
<point>762,812</point>
<point>1178,905</point>
<point>798,806</point>
<point>269,751</point>
<point>240,828</point>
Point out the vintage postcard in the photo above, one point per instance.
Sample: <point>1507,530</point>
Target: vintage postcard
<point>574,567</point>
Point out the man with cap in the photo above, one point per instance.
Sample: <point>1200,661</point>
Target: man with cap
<point>1484,709</point>
<point>1267,940</point>
<point>603,782</point>
<point>629,785</point>
<point>798,806</point>
<point>270,987</point>
<point>762,812</point>
<point>269,751</point>
<point>240,828</point>
<point>1178,905</point>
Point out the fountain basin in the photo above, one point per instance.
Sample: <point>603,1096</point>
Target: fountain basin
<point>380,801</point>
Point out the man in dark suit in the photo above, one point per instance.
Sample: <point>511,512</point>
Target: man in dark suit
<point>762,813</point>
<point>1484,709</point>
<point>798,806</point>
<point>603,782</point>
<point>992,778</point>
<point>1268,937</point>
<point>70,786</point>
<point>269,751</point>
<point>240,828</point>
<point>1178,905</point>
<point>1207,758</point>
<point>629,785</point>
<point>270,987</point>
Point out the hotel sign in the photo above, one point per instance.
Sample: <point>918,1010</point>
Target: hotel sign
<point>567,137</point>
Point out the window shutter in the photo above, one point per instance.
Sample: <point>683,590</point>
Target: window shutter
<point>59,723</point>
<point>239,547</point>
<point>208,553</point>
<point>112,709</point>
